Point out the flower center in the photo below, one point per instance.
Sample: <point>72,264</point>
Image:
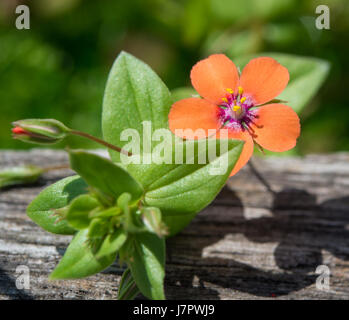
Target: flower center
<point>235,111</point>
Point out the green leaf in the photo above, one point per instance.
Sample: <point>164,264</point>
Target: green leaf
<point>147,265</point>
<point>56,196</point>
<point>112,243</point>
<point>104,175</point>
<point>79,260</point>
<point>307,74</point>
<point>79,209</point>
<point>185,189</point>
<point>134,93</point>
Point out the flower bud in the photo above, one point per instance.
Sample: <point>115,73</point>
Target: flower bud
<point>44,131</point>
<point>19,175</point>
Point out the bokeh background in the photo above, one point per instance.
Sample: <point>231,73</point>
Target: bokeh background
<point>58,68</point>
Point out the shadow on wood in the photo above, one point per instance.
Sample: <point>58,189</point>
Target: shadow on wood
<point>297,225</point>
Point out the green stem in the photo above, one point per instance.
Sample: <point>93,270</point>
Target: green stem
<point>100,141</point>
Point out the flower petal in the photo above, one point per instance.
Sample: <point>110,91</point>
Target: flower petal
<point>280,127</point>
<point>212,76</point>
<point>247,149</point>
<point>264,79</point>
<point>194,114</point>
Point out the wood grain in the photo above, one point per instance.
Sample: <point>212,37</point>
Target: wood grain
<point>262,238</point>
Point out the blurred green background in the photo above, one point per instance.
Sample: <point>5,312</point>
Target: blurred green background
<point>58,68</point>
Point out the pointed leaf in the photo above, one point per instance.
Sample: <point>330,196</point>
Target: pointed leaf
<point>134,93</point>
<point>79,260</point>
<point>147,265</point>
<point>182,190</point>
<point>104,175</point>
<point>79,209</point>
<point>56,196</point>
<point>185,189</point>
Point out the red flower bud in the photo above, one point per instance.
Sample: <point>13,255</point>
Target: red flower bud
<point>44,131</point>
<point>19,130</point>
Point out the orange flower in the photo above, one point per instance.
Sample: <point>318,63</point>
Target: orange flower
<point>230,102</point>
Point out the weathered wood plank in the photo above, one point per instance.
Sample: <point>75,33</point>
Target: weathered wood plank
<point>259,239</point>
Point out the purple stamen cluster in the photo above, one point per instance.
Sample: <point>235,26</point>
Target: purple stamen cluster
<point>242,117</point>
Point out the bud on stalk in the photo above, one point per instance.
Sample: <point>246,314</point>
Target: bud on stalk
<point>43,131</point>
<point>50,131</point>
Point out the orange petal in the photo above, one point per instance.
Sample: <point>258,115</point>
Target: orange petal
<point>247,150</point>
<point>212,76</point>
<point>264,79</point>
<point>194,114</point>
<point>280,127</point>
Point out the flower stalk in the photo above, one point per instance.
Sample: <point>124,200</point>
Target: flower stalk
<point>100,141</point>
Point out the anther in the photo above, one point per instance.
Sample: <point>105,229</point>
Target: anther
<point>236,108</point>
<point>230,90</point>
<point>241,90</point>
<point>225,100</point>
<point>243,100</point>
